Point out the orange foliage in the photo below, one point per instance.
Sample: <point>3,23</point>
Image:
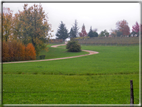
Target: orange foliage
<point>7,23</point>
<point>16,51</point>
<point>30,52</point>
<point>22,51</point>
<point>29,26</point>
<point>5,55</point>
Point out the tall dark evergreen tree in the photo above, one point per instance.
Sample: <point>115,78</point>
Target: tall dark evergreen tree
<point>62,32</point>
<point>92,33</point>
<point>74,30</point>
<point>95,34</point>
<point>71,34</point>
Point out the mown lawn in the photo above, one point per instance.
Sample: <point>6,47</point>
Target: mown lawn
<point>59,52</point>
<point>103,78</point>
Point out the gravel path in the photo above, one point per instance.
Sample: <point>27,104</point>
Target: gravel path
<point>90,53</point>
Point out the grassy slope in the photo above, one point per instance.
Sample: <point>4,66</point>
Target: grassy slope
<point>109,60</point>
<point>113,68</point>
<point>59,52</point>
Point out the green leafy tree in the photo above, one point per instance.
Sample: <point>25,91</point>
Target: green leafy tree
<point>104,33</point>
<point>62,32</point>
<point>31,26</point>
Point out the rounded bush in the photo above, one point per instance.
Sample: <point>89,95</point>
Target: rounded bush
<point>73,46</point>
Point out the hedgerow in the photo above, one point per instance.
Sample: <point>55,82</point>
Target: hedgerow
<point>16,51</point>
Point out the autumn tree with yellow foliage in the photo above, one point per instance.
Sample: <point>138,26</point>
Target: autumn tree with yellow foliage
<point>27,26</point>
<point>33,23</point>
<point>7,23</point>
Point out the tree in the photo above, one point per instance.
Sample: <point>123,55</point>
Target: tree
<point>123,27</point>
<point>133,34</point>
<point>83,32</point>
<point>113,33</point>
<point>30,52</point>
<point>74,32</point>
<point>16,51</point>
<point>17,30</point>
<point>62,32</point>
<point>27,26</point>
<point>135,29</point>
<point>104,33</point>
<point>36,26</point>
<point>7,23</point>
<point>71,34</point>
<point>118,33</point>
<point>5,49</point>
<point>91,34</point>
<point>95,33</point>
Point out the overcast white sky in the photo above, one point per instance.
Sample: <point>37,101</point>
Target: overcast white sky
<point>100,16</point>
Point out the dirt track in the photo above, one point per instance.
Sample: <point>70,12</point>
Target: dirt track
<point>90,53</point>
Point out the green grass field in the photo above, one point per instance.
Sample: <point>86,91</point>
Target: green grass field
<point>103,78</point>
<point>59,52</point>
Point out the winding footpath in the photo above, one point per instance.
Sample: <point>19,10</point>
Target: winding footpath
<point>90,53</point>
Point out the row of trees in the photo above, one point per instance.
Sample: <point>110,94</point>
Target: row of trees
<point>122,30</point>
<point>16,51</point>
<point>62,32</point>
<point>27,26</point>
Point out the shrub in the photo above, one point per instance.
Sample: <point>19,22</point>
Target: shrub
<point>30,52</point>
<point>73,46</point>
<point>5,49</point>
<point>16,51</point>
